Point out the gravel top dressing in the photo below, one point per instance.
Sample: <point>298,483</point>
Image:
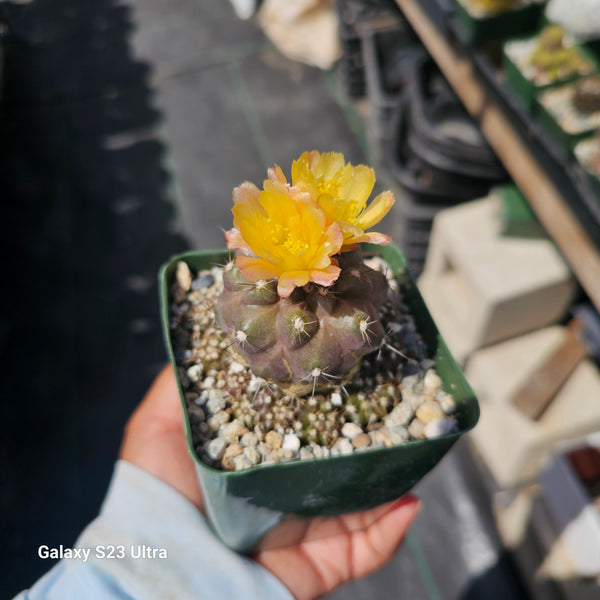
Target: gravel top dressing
<point>239,420</point>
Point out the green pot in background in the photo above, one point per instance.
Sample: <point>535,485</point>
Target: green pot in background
<point>478,29</point>
<point>552,115</point>
<point>267,506</point>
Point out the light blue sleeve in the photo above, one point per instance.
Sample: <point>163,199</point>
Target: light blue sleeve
<point>142,515</point>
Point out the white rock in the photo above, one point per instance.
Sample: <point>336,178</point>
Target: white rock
<point>252,455</point>
<point>401,414</point>
<point>291,442</point>
<point>249,439</point>
<point>345,446</point>
<point>240,462</point>
<point>232,431</point>
<point>194,372</point>
<point>216,448</point>
<point>208,383</point>
<point>447,402</point>
<point>255,383</point>
<point>432,381</point>
<point>217,400</point>
<point>336,399</point>
<point>285,454</point>
<point>236,367</point>
<point>306,453</point>
<point>398,434</point>
<point>317,451</point>
<point>440,427</point>
<point>351,430</point>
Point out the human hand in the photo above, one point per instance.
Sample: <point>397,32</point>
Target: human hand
<point>155,441</point>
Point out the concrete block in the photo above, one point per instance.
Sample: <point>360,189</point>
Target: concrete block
<point>482,287</point>
<point>514,447</point>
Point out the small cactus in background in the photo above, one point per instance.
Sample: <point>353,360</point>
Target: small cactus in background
<point>300,305</point>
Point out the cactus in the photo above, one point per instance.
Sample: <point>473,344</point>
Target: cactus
<point>300,305</point>
<point>313,339</point>
<point>554,57</point>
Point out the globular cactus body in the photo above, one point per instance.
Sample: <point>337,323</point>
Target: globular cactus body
<point>312,340</point>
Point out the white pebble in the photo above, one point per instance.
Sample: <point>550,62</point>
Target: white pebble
<point>232,431</point>
<point>216,448</point>
<point>285,454</point>
<point>447,402</point>
<point>398,434</point>
<point>240,463</point>
<point>217,400</point>
<point>440,427</point>
<point>351,430</point>
<point>291,442</point>
<point>208,383</point>
<point>345,446</point>
<point>400,415</point>
<point>194,372</point>
<point>249,439</point>
<point>236,367</point>
<point>336,399</point>
<point>306,453</point>
<point>317,451</point>
<point>432,381</point>
<point>252,455</point>
<point>255,383</point>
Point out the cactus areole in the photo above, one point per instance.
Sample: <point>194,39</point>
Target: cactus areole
<point>299,303</point>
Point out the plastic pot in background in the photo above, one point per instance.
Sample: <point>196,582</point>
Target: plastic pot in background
<point>443,133</point>
<point>425,182</point>
<point>267,506</point>
<point>477,27</point>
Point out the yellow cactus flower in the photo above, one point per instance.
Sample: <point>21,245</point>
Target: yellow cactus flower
<point>282,233</point>
<point>342,191</point>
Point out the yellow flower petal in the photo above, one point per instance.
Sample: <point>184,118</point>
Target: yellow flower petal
<point>255,268</point>
<point>375,211</point>
<point>342,191</point>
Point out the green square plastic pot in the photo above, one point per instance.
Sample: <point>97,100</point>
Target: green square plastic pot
<point>268,505</point>
<point>480,29</point>
<point>518,218</point>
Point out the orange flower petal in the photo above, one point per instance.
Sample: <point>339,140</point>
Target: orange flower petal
<point>247,193</point>
<point>290,280</point>
<point>235,241</point>
<point>325,277</point>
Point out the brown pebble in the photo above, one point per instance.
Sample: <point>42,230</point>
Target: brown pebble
<point>274,439</point>
<point>231,452</point>
<point>429,411</point>
<point>362,440</point>
<point>183,276</point>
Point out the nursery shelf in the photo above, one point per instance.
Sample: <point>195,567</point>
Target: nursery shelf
<point>574,225</point>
